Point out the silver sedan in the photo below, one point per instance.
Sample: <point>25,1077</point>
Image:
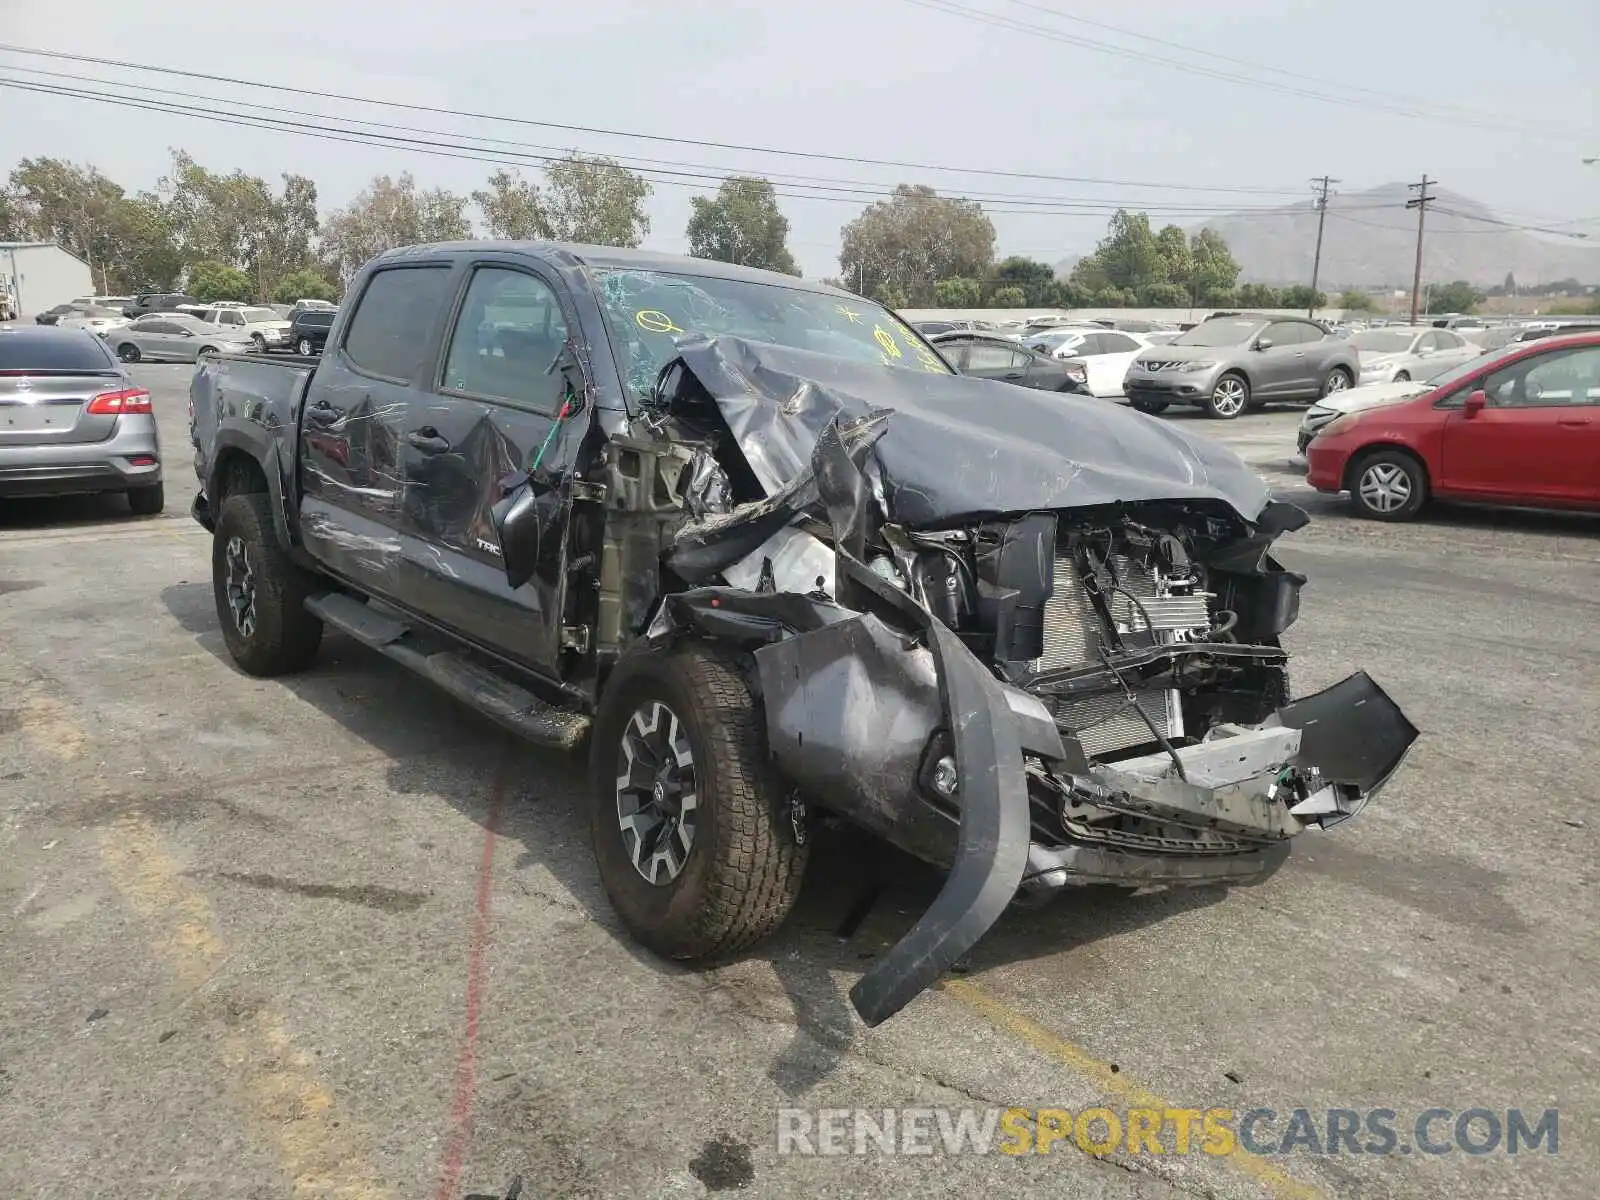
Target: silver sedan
<point>1400,353</point>
<point>173,337</point>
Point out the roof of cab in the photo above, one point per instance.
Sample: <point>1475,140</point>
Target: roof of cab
<point>615,257</point>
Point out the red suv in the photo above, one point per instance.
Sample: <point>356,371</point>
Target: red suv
<point>1518,427</point>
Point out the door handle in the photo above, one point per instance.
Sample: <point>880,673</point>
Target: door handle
<point>1572,422</point>
<point>427,440</point>
<point>1016,374</point>
<point>322,413</point>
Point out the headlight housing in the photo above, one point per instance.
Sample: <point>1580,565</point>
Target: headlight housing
<point>1203,365</point>
<point>1341,425</point>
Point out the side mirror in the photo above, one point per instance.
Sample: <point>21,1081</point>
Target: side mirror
<point>1476,400</point>
<point>1263,343</point>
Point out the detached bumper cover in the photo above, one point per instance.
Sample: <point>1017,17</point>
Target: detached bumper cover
<point>855,710</point>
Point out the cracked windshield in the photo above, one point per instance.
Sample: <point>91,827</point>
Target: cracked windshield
<point>651,311</point>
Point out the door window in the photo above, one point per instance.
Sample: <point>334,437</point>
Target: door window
<point>984,357</point>
<point>955,353</point>
<point>1117,343</point>
<point>1563,379</point>
<point>388,334</point>
<point>508,334</point>
<point>1283,333</point>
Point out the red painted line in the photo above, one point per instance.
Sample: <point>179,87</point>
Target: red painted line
<point>466,1089</point>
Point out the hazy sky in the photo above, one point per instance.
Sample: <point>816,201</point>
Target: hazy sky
<point>885,79</point>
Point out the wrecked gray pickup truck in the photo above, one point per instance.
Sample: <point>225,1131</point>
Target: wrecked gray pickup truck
<point>757,543</point>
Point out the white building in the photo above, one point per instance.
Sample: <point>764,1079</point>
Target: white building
<point>35,276</point>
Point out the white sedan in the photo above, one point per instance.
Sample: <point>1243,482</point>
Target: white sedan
<point>1400,353</point>
<point>1099,362</point>
<point>95,319</point>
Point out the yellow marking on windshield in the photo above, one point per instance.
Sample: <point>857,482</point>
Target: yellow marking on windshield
<point>653,320</point>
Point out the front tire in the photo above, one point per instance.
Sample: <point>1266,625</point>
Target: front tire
<point>204,352</point>
<point>1229,397</point>
<point>1388,485</point>
<point>690,824</point>
<point>259,342</point>
<point>260,591</point>
<point>304,347</point>
<point>147,501</point>
<point>1337,380</point>
<point>1402,377</point>
<point>128,352</point>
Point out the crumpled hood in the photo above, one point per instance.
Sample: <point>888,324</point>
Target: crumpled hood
<point>959,447</point>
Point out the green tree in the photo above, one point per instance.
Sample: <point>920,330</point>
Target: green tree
<point>1456,296</point>
<point>307,283</point>
<point>1356,302</point>
<point>1129,254</point>
<point>389,213</point>
<point>914,239</point>
<point>958,293</point>
<point>1219,298</point>
<point>890,296</point>
<point>1036,279</point>
<point>1298,296</point>
<point>1009,297</point>
<point>1113,297</point>
<point>239,220</point>
<point>218,281</point>
<point>1177,264</point>
<point>512,208</point>
<point>1214,270</point>
<point>1088,277</point>
<point>75,207</point>
<point>741,224</point>
<point>1164,295</point>
<point>1260,295</point>
<point>595,200</point>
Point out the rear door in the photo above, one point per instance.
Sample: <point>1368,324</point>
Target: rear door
<point>1109,366</point>
<point>357,409</point>
<point>489,417</point>
<point>1538,438</point>
<point>1449,350</point>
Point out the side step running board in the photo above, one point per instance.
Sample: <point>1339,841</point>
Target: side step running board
<point>495,696</point>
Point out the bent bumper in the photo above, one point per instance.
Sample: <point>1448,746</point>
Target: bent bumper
<point>858,714</point>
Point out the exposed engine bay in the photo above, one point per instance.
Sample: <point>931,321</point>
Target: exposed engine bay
<point>1034,640</point>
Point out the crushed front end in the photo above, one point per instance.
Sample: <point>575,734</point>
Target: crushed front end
<point>1039,682</point>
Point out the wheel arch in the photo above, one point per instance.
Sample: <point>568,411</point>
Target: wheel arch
<point>1359,457</point>
<point>241,467</point>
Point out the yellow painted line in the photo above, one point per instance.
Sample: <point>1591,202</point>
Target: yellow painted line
<point>47,723</point>
<point>1275,1181</point>
<point>274,1081</point>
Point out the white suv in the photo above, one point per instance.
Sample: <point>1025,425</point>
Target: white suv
<point>265,328</point>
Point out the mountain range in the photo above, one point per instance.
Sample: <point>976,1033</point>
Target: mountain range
<point>1370,240</point>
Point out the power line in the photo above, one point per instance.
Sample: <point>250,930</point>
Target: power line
<point>996,20</point>
<point>1297,75</point>
<point>701,179</point>
<point>662,167</point>
<point>634,134</point>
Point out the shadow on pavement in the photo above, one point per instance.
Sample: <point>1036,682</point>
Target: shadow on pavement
<point>860,895</point>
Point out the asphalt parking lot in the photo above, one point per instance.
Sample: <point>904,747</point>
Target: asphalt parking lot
<point>334,935</point>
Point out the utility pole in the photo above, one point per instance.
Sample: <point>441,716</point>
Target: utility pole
<point>1420,203</point>
<point>1322,186</point>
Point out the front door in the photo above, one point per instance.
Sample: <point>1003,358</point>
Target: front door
<point>357,410</point>
<point>1285,367</point>
<point>492,416</point>
<point>1538,438</point>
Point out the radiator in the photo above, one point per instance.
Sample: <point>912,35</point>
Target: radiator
<point>1073,637</point>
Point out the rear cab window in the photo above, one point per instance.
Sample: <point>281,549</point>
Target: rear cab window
<point>389,332</point>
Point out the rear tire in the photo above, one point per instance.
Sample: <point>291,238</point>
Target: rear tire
<point>260,591</point>
<point>1148,407</point>
<point>1388,485</point>
<point>128,352</point>
<point>147,501</point>
<point>738,877</point>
